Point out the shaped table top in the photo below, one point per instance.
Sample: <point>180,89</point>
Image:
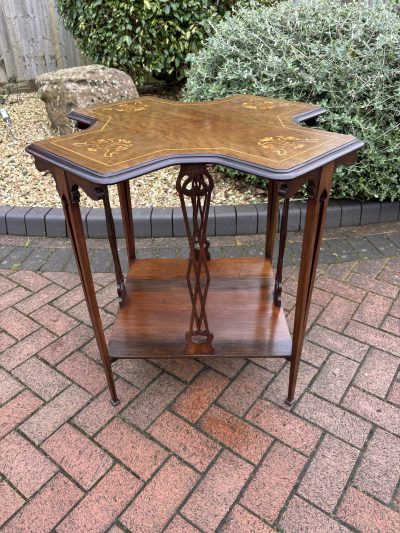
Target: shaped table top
<point>250,133</point>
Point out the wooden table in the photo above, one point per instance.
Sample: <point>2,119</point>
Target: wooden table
<point>200,306</point>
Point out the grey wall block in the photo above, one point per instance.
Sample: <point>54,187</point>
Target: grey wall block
<point>261,217</point>
<point>334,214</point>
<point>117,217</point>
<point>55,223</point>
<point>15,220</point>
<point>370,212</point>
<point>297,212</point>
<point>262,210</point>
<point>84,214</point>
<point>211,222</point>
<point>96,224</point>
<point>225,220</point>
<point>351,213</point>
<point>142,221</point>
<point>179,226</point>
<point>161,222</point>
<point>4,209</point>
<point>246,219</point>
<point>178,223</point>
<point>34,221</point>
<point>389,211</point>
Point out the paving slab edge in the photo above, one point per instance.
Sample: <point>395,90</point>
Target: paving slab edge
<point>156,222</point>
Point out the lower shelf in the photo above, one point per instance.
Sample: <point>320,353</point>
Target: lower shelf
<point>240,311</point>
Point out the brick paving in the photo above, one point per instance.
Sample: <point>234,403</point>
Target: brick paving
<point>201,445</point>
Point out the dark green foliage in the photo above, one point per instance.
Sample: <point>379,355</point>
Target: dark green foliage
<point>143,37</point>
<point>343,56</point>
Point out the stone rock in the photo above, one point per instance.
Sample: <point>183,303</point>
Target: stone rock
<point>79,87</point>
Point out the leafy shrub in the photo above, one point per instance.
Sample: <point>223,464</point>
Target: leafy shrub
<point>143,37</point>
<point>140,37</point>
<point>343,56</point>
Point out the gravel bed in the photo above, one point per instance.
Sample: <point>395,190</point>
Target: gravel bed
<point>22,184</point>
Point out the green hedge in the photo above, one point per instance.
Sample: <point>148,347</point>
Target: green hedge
<point>343,56</point>
<point>143,37</point>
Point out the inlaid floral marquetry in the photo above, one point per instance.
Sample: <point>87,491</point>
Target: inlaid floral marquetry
<point>282,145</point>
<point>253,103</point>
<point>254,134</point>
<point>131,106</point>
<point>107,147</point>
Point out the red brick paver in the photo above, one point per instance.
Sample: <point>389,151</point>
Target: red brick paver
<point>199,395</point>
<point>247,440</point>
<point>366,514</point>
<point>328,473</point>
<point>157,502</point>
<point>301,516</point>
<point>138,452</point>
<point>379,471</point>
<point>24,465</point>
<point>273,482</point>
<point>10,500</point>
<point>203,444</point>
<point>103,504</point>
<point>47,508</point>
<point>184,440</point>
<point>240,519</point>
<point>285,426</point>
<point>77,455</point>
<point>212,499</point>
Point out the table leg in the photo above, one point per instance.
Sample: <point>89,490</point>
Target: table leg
<point>112,239</point>
<point>70,199</point>
<point>272,218</point>
<point>281,253</point>
<point>195,182</point>
<point>315,220</point>
<point>124,194</point>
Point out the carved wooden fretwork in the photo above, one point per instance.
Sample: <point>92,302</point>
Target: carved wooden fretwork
<point>195,183</point>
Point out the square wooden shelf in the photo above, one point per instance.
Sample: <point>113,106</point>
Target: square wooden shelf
<point>240,310</point>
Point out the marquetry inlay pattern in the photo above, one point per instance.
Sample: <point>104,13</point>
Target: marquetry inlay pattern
<point>134,133</point>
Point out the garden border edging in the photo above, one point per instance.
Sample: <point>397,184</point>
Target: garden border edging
<point>156,222</point>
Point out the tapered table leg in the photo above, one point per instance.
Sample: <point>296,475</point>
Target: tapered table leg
<point>70,200</point>
<point>272,218</point>
<point>124,194</point>
<point>315,220</point>
<point>112,239</point>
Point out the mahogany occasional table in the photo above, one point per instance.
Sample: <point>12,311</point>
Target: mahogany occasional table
<point>200,306</point>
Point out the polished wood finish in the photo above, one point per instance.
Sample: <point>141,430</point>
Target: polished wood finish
<point>112,239</point>
<point>70,200</point>
<point>251,133</point>
<point>272,219</point>
<point>194,183</point>
<point>317,205</point>
<point>232,307</point>
<point>124,194</point>
<point>282,246</point>
<point>240,310</point>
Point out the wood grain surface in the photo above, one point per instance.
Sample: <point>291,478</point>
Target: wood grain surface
<point>240,310</point>
<point>134,136</point>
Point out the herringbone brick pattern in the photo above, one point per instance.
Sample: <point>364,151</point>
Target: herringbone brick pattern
<point>201,445</point>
